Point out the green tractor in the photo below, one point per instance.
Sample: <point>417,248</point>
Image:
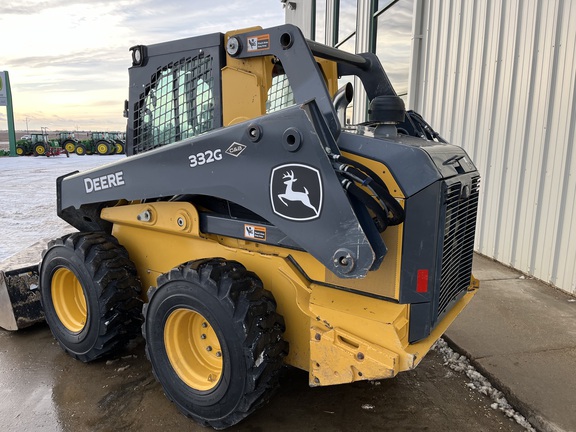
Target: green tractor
<point>99,143</point>
<point>39,145</point>
<point>24,147</point>
<point>68,141</point>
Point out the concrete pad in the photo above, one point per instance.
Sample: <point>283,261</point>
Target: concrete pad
<point>485,269</point>
<point>543,384</point>
<point>522,334</point>
<point>515,316</point>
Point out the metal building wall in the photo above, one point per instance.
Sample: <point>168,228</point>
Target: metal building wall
<point>498,77</point>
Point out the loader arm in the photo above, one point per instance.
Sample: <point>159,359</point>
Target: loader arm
<point>294,140</point>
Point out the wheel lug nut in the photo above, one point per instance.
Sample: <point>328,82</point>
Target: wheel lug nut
<point>204,325</point>
<point>218,354</point>
<point>202,336</point>
<point>208,348</point>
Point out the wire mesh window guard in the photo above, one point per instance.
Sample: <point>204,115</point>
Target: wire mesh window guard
<point>177,104</point>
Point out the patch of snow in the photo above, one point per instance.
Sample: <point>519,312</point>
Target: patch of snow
<point>260,359</point>
<point>28,197</point>
<point>460,363</point>
<point>368,407</point>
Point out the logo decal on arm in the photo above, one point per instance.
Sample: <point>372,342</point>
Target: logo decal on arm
<point>296,192</point>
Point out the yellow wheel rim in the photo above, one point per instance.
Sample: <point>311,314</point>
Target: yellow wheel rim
<point>40,150</point>
<point>102,149</point>
<point>19,151</point>
<point>69,300</point>
<point>70,147</point>
<point>79,150</point>
<point>119,148</point>
<point>193,349</point>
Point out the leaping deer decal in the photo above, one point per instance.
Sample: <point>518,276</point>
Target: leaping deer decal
<point>292,195</point>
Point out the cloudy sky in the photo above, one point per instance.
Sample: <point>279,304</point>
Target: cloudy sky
<point>68,59</point>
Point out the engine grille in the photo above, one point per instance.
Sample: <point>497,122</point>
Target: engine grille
<point>458,245</point>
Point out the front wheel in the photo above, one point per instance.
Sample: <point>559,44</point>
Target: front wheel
<point>214,340</point>
<point>70,146</point>
<point>40,149</point>
<point>80,150</point>
<point>90,294</point>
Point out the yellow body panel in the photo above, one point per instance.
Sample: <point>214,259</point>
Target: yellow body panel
<point>385,281</point>
<point>248,80</point>
<point>337,335</point>
<point>367,337</point>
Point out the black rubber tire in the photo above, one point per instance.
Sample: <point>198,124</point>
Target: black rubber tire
<point>80,150</point>
<point>243,316</point>
<point>69,145</point>
<point>102,147</point>
<point>111,289</point>
<point>40,149</point>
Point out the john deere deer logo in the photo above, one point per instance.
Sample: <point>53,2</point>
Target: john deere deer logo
<point>296,192</point>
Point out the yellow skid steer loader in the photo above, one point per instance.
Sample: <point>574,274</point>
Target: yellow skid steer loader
<point>250,228</point>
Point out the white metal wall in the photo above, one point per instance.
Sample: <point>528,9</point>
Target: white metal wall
<point>498,77</point>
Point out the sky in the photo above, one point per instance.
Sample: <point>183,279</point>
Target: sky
<point>68,60</point>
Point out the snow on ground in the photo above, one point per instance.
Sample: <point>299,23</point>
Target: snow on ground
<point>28,197</point>
<point>460,363</point>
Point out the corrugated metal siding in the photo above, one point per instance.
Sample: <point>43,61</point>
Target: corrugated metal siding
<point>498,77</point>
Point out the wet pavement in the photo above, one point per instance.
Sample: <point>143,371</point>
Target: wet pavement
<point>43,389</point>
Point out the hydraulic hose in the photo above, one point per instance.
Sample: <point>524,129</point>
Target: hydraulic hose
<point>368,178</point>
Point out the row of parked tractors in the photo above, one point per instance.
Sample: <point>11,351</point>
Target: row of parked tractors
<point>101,143</point>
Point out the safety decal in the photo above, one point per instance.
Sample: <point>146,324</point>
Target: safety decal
<point>296,192</point>
<point>258,43</point>
<point>255,232</point>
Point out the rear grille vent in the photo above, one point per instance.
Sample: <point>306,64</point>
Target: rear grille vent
<point>458,246</point>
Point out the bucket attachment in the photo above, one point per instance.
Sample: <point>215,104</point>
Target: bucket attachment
<point>19,295</point>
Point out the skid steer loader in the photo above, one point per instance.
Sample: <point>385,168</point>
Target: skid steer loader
<point>257,230</point>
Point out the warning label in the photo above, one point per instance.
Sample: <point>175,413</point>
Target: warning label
<point>255,232</point>
<point>259,43</point>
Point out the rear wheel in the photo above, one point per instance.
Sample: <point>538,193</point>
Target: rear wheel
<point>104,148</point>
<point>90,294</point>
<point>214,340</point>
